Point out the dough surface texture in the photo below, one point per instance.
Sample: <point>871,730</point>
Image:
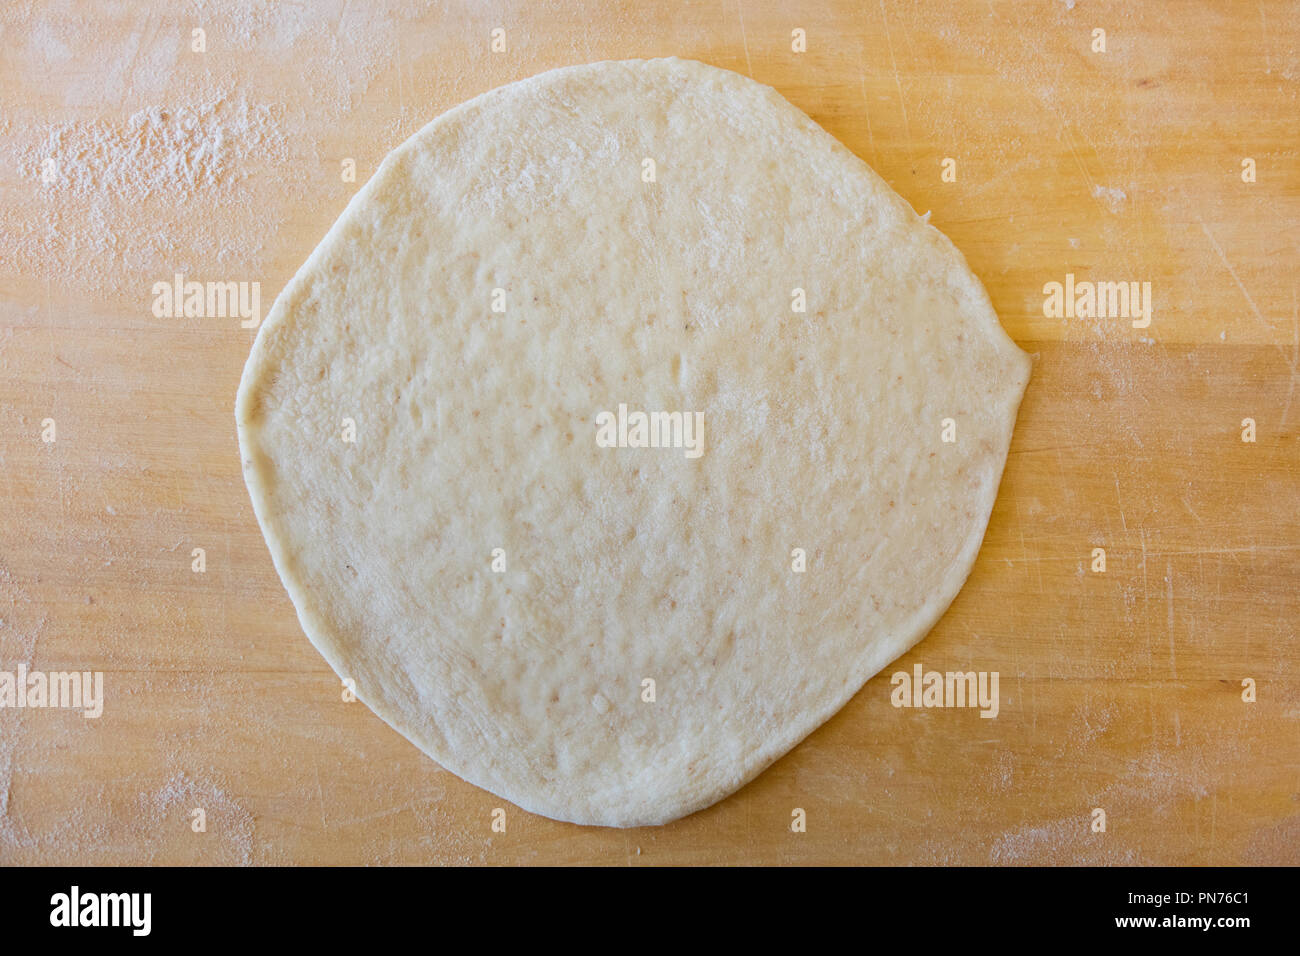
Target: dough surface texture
<point>476,429</point>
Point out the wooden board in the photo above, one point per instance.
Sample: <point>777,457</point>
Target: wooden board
<point>1120,690</point>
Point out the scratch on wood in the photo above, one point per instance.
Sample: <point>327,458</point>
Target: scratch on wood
<point>907,128</point>
<point>1259,317</point>
<point>1169,600</point>
<point>866,103</point>
<point>1120,499</point>
<point>1295,355</point>
<point>744,39</point>
<point>1092,183</point>
<point>1192,511</point>
<point>1142,535</point>
<point>320,796</point>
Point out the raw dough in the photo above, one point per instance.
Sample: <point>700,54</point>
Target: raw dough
<point>475,430</point>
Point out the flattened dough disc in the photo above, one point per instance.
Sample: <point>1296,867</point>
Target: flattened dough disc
<point>639,233</point>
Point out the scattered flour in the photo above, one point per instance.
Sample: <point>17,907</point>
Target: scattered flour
<point>156,152</point>
<point>1112,196</point>
<point>167,160</point>
<point>98,190</point>
<point>228,838</point>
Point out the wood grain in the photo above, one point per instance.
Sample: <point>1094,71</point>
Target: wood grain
<point>1119,690</point>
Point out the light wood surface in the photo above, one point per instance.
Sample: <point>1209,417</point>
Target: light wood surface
<point>1120,691</point>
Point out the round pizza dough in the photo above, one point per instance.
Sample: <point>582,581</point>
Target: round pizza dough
<point>623,635</point>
